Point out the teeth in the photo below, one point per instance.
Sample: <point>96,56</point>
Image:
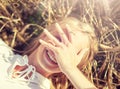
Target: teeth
<point>51,57</point>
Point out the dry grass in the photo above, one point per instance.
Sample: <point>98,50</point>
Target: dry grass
<point>22,20</point>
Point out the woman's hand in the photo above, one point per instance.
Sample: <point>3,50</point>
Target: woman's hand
<point>67,57</point>
<point>64,52</point>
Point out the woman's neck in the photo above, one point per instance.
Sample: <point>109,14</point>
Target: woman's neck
<point>33,61</point>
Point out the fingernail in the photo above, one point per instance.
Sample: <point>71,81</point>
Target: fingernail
<point>57,25</point>
<point>40,41</point>
<point>45,30</point>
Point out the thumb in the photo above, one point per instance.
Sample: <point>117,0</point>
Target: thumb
<point>82,56</point>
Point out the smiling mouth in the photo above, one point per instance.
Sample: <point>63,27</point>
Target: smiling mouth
<point>50,56</point>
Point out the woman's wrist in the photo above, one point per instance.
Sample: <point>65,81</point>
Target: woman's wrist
<point>68,70</point>
<point>75,76</point>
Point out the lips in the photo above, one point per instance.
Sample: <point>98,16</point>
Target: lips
<point>50,57</point>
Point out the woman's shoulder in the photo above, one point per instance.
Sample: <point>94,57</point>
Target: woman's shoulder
<point>22,73</point>
<point>5,51</point>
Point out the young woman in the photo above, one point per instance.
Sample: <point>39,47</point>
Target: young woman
<point>65,47</point>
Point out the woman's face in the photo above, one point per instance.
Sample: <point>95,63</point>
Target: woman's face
<point>46,57</point>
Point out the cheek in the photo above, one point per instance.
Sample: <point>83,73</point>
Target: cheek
<point>80,42</point>
<point>77,43</point>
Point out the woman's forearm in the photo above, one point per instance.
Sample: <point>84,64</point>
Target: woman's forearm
<point>78,79</point>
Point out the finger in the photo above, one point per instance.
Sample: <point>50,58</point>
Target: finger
<point>62,34</point>
<point>82,54</point>
<point>48,45</point>
<point>51,37</point>
<point>69,31</point>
